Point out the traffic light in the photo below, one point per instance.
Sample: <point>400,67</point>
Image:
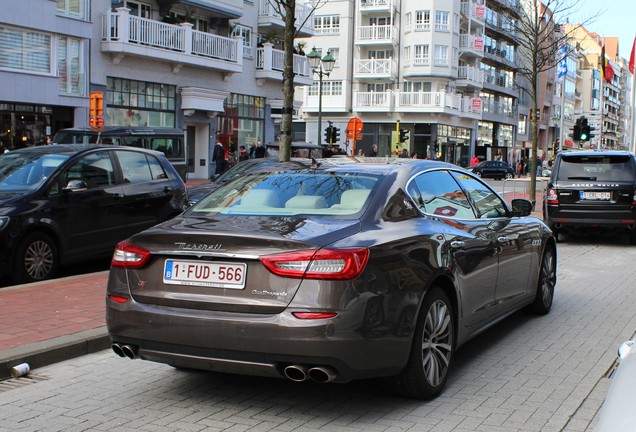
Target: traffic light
<point>96,109</point>
<point>586,130</point>
<point>335,135</point>
<point>576,130</point>
<point>404,135</point>
<point>329,134</point>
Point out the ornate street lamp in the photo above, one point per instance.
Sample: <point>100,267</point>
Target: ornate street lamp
<point>321,67</point>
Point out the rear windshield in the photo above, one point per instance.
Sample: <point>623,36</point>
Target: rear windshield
<point>597,167</point>
<point>289,194</point>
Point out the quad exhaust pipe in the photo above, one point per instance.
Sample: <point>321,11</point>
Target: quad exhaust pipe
<point>299,373</point>
<point>130,351</point>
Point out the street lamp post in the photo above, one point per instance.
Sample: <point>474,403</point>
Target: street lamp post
<point>321,67</point>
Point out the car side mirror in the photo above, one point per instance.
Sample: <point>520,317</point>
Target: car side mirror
<point>521,207</point>
<point>76,185</point>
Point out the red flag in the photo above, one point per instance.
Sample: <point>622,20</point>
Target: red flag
<point>607,71</point>
<point>631,57</point>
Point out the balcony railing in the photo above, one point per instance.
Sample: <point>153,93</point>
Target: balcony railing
<point>376,4</point>
<point>128,34</point>
<point>471,43</point>
<point>417,101</point>
<point>373,101</point>
<point>376,34</point>
<point>474,11</point>
<point>375,68</point>
<point>270,63</point>
<point>471,74</point>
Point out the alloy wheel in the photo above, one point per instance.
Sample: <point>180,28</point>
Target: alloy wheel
<point>437,343</point>
<point>38,259</point>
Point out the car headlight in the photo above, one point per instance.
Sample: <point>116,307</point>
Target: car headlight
<point>4,221</point>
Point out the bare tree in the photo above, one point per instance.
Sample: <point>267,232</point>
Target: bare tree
<point>287,10</point>
<point>542,34</point>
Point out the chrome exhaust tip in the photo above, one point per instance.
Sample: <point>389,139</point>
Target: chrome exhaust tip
<point>130,351</point>
<point>322,374</point>
<point>117,350</point>
<point>296,373</point>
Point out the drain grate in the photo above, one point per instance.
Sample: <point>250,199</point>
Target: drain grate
<point>14,383</point>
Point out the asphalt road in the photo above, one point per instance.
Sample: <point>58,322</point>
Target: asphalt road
<point>526,374</point>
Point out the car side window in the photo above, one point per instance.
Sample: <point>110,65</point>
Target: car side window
<point>95,169</point>
<point>135,167</point>
<point>437,193</point>
<point>488,204</point>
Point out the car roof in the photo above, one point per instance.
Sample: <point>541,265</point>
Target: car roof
<point>77,148</point>
<point>126,130</point>
<point>596,153</point>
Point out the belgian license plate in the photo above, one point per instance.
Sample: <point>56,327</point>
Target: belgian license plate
<point>604,196</point>
<point>216,275</point>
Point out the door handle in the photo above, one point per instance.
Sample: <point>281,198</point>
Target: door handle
<point>457,244</point>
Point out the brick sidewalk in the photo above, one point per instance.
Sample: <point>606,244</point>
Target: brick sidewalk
<point>45,310</point>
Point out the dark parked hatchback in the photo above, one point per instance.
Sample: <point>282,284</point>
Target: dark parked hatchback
<point>493,169</point>
<point>589,191</point>
<point>68,203</point>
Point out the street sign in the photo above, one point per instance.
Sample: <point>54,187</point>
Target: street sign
<point>354,129</point>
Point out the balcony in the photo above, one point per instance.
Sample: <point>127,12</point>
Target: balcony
<point>471,45</point>
<point>471,77</point>
<point>270,64</point>
<point>499,56</point>
<point>373,101</point>
<point>375,69</point>
<point>335,97</point>
<point>124,34</point>
<point>376,35</point>
<point>474,12</point>
<point>268,17</point>
<point>367,6</point>
<point>438,102</point>
<point>501,83</point>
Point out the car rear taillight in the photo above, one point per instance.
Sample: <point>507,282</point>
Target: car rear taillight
<point>314,315</point>
<point>117,298</point>
<point>127,255</point>
<point>552,196</point>
<point>328,264</point>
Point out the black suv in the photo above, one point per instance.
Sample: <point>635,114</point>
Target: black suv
<point>591,190</point>
<point>61,204</point>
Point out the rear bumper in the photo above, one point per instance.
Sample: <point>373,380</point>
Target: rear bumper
<point>251,344</point>
<point>556,219</point>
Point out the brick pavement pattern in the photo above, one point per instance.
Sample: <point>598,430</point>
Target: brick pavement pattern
<point>525,374</point>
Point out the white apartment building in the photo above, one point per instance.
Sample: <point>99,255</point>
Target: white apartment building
<point>210,67</point>
<point>445,69</point>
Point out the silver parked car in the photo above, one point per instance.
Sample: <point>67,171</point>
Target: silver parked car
<point>618,413</point>
<point>342,270</point>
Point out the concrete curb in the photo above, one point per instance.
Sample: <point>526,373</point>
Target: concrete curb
<point>54,350</point>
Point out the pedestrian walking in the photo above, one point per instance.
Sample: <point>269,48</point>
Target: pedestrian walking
<point>218,157</point>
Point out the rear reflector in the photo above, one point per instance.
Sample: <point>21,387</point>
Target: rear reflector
<point>127,255</point>
<point>327,264</point>
<point>314,315</point>
<point>117,299</point>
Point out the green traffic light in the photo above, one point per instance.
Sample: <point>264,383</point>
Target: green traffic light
<point>583,137</point>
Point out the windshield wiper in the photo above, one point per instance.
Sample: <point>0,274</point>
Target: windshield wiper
<point>581,178</point>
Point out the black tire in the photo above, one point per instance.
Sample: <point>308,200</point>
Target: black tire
<point>545,286</point>
<point>433,348</point>
<point>632,237</point>
<point>36,258</point>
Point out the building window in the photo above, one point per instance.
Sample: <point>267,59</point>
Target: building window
<point>73,8</point>
<point>442,21</point>
<point>422,55</point>
<point>246,34</point>
<point>141,10</point>
<point>25,50</point>
<point>327,24</point>
<point>423,20</point>
<point>70,66</point>
<point>140,103</point>
<point>522,125</point>
<point>242,123</point>
<point>329,88</point>
<point>441,55</point>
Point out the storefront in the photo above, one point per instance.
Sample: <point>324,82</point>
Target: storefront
<point>24,125</point>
